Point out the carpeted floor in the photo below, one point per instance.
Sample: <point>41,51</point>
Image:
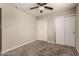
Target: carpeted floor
<point>42,48</point>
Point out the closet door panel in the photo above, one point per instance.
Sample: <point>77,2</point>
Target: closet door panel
<point>70,30</point>
<point>59,28</point>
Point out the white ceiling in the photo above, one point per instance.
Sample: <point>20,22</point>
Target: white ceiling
<point>58,7</point>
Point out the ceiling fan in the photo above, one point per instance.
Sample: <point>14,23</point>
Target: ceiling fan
<point>41,7</point>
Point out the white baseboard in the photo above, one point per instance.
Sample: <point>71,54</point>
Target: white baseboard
<point>43,40</point>
<point>16,47</point>
<point>51,42</point>
<point>78,50</point>
<point>47,41</point>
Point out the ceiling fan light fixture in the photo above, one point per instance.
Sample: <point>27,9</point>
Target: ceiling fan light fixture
<point>41,11</point>
<point>41,8</point>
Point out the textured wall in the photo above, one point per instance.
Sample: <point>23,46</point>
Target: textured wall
<point>42,29</point>
<point>51,29</point>
<point>18,28</point>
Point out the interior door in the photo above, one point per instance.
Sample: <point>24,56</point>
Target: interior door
<point>59,28</point>
<point>70,30</point>
<point>42,30</point>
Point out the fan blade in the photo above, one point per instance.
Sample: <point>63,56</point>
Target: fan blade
<point>44,3</point>
<point>41,4</point>
<point>48,7</point>
<point>34,7</point>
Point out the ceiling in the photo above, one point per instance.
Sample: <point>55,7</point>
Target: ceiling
<point>58,7</point>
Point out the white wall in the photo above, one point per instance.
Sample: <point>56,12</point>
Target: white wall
<point>51,29</point>
<point>18,28</point>
<point>42,29</point>
<point>77,28</point>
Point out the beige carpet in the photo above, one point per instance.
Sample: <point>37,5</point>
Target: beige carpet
<point>42,48</point>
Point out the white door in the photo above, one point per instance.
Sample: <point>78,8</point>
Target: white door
<point>42,30</point>
<point>59,29</point>
<point>70,30</point>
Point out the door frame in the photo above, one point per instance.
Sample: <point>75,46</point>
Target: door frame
<point>0,30</point>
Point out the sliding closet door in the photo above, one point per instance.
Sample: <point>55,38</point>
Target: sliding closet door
<point>59,28</point>
<point>70,30</point>
<point>42,29</point>
<point>65,30</point>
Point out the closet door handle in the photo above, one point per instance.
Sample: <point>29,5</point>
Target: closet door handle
<point>73,32</point>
